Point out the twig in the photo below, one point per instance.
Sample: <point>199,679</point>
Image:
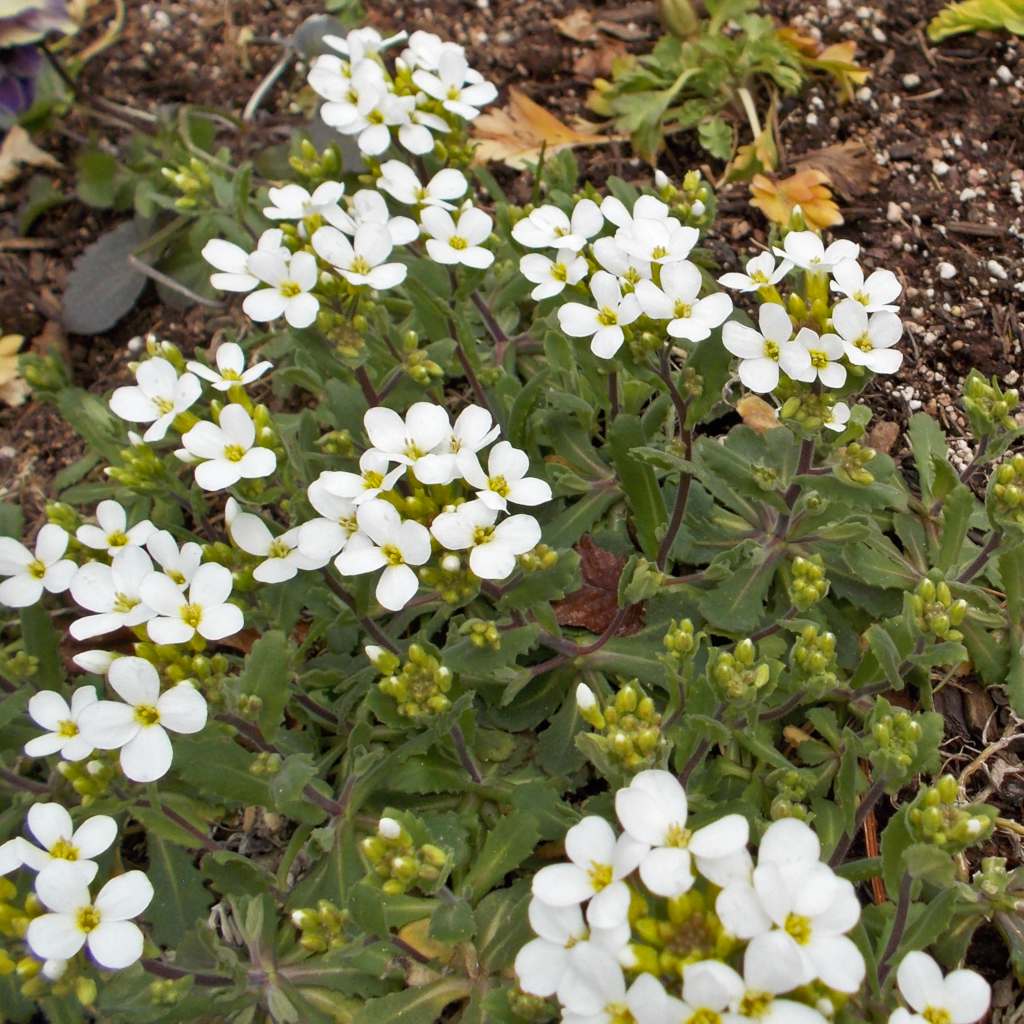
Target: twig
<point>368,624</point>
<point>366,385</point>
<point>279,68</point>
<point>899,924</point>
<point>983,556</point>
<point>173,973</point>
<point>168,282</point>
<point>871,797</point>
<point>19,782</point>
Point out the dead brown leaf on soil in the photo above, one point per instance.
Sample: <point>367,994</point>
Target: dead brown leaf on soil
<point>850,166</point>
<point>596,603</point>
<point>518,133</point>
<point>578,25</point>
<point>19,151</point>
<point>13,389</point>
<point>599,61</point>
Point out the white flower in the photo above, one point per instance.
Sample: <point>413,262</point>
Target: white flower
<point>282,557</point>
<point>10,856</point>
<point>838,417</point>
<point>875,294</point>
<point>158,395</point>
<point>31,572</point>
<point>761,273</point>
<point>473,429</point>
<point>709,988</point>
<point>205,610</point>
<point>824,351</point>
<point>351,91</point>
<point>409,441</point>
<point>762,353</point>
<point>460,91</point>
<point>293,202</point>
<point>61,843</point>
<point>653,810</point>
<point>233,261</point>
<point>493,549</point>
<point>424,50</point>
<point>227,450</point>
<point>868,340</point>
<point>373,478</point>
<point>361,261</point>
<point>805,249</point>
<point>543,963</point>
<point>378,111</point>
<point>961,997</point>
<point>548,227</point>
<point>178,564</point>
<point>597,864</point>
<point>658,241</point>
<point>370,207</point>
<point>291,280</point>
<point>505,480</point>
<point>593,991</point>
<point>676,301</point>
<point>399,181</point>
<point>386,542</point>
<point>552,275</point>
<point>112,533</point>
<point>616,261</point>
<point>112,592</point>
<point>75,919</point>
<point>415,135</point>
<point>138,727</point>
<point>645,208</point>
<point>50,710</point>
<point>230,360</point>
<point>360,43</point>
<point>330,533</point>
<point>96,661</point>
<point>454,242</point>
<point>603,324</point>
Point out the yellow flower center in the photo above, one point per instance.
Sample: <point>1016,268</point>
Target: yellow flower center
<point>375,117</point>
<point>678,836</point>
<point>482,535</point>
<point>123,604</point>
<point>289,289</point>
<point>559,271</point>
<point>619,1013</point>
<point>177,576</point>
<point>600,875</point>
<point>607,317</point>
<point>771,350</point>
<point>631,277</point>
<point>372,479</point>
<point>683,310</point>
<point>360,265</point>
<point>819,360</point>
<point>562,232</point>
<point>862,297</point>
<point>87,919</point>
<point>191,615</point>
<point>278,549</point>
<point>146,715</point>
<point>67,729</point>
<point>758,277</point>
<point>234,452</point>
<point>422,193</point>
<point>756,1004</point>
<point>163,405</point>
<point>453,92</point>
<point>458,242</point>
<point>704,1016</point>
<point>36,569</point>
<point>864,344</point>
<point>936,1015</point>
<point>659,252</point>
<point>499,485</point>
<point>64,850</point>
<point>117,539</point>
<point>799,927</point>
<point>349,525</point>
<point>392,554</point>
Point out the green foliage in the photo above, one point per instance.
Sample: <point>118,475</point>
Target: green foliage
<point>976,15</point>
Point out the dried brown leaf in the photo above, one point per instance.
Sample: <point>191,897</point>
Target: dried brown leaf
<point>757,413</point>
<point>578,24</point>
<point>599,61</point>
<point>13,390</point>
<point>18,151</point>
<point>596,603</point>
<point>850,166</point>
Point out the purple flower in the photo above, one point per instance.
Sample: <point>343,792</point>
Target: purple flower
<point>19,66</point>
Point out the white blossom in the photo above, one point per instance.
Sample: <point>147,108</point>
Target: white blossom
<point>230,371</point>
<point>290,280</point>
<point>227,450</point>
<point>10,856</point>
<point>281,556</point>
<point>763,352</point>
<point>204,608</point>
<point>645,208</point>
<point>593,991</point>
<point>415,135</point>
<point>373,478</point>
<point>112,592</point>
<point>620,264</point>
<point>385,541</point>
<point>370,207</point>
<point>458,242</point>
<point>838,417</point>
<point>361,261</point>
<point>460,91</point>
<point>552,275</point>
<point>875,293</point>
<point>328,534</point>
<point>602,323</point>
<point>232,261</point>
<point>472,430</point>
<point>676,300</point>
<point>961,997</point>
<point>29,573</point>
<point>805,249</point>
<point>824,351</point>
<point>293,202</point>
<point>410,440</point>
<point>64,736</point>
<point>656,240</point>
<point>868,340</point>
<point>505,480</point>
<point>138,727</point>
<point>548,227</point>
<point>75,920</point>
<point>156,398</point>
<point>492,548</point>
<point>61,843</point>
<point>400,182</point>
<point>111,532</point>
<point>762,272</point>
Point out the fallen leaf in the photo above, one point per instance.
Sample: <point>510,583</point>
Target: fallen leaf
<point>629,31</point>
<point>850,166</point>
<point>838,61</point>
<point>577,25</point>
<point>599,61</point>
<point>13,389</point>
<point>761,155</point>
<point>883,436</point>
<point>516,134</point>
<point>596,603</point>
<point>757,414</point>
<point>417,936</point>
<point>807,189</point>
<point>18,151</point>
<point>808,46</point>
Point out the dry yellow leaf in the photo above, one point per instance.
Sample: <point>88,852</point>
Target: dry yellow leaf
<point>516,134</point>
<point>19,150</point>
<point>416,935</point>
<point>807,189</point>
<point>13,390</point>
<point>757,413</point>
<point>577,25</point>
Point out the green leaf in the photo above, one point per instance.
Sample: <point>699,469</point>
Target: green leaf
<point>507,845</point>
<point>366,905</point>
<point>94,421</point>
<point>976,15</point>
<point>885,650</point>
<point>97,178</point>
<point>266,675</point>
<point>502,926</point>
<point>930,448</point>
<point>423,1005</point>
<point>716,136</point>
<point>896,839</point>
<point>956,516</point>
<point>1011,569</point>
<point>179,899</point>
<point>41,642</point>
<point>737,604</point>
<point>452,921</point>
<point>219,767</point>
<point>639,484</point>
<point>930,922</point>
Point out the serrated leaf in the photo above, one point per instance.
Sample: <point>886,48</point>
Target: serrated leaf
<point>502,926</point>
<point>507,845</point>
<point>639,484</point>
<point>422,1005</point>
<point>716,136</point>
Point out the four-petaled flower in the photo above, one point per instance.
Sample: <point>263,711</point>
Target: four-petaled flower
<point>227,449</point>
<point>157,397</point>
<point>61,843</point>
<point>204,609</point>
<point>548,227</point>
<point>361,261</point>
<point>111,532</point>
<point>453,82</point>
<point>31,572</point>
<point>875,294</point>
<point>452,242</point>
<point>868,340</point>
<point>602,324</point>
<point>676,300</point>
<point>291,281</point>
<point>282,557</point>
<point>762,272</point>
<point>231,371</point>
<point>492,548</point>
<point>410,440</point>
<point>505,480</point>
<point>50,710</point>
<point>552,275</point>
<point>112,592</point>
<point>961,997</point>
<point>399,181</point>
<point>763,352</point>
<point>806,250</point>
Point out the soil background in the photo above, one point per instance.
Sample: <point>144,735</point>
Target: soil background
<point>943,207</point>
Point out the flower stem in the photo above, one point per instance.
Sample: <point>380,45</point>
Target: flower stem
<point>871,797</point>
<point>899,924</point>
<point>983,556</point>
<point>465,758</point>
<point>368,624</point>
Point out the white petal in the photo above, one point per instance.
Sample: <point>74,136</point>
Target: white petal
<point>116,944</point>
<point>396,587</point>
<point>182,709</point>
<point>838,963</point>
<point>562,885</point>
<point>124,897</point>
<point>148,755</point>
<point>540,967</point>
<point>108,724</point>
<point>95,835</point>
<point>55,936</point>
<point>967,996</point>
<point>590,841</point>
<point>135,680</point>
<point>667,872</point>
<point>48,823</point>
<point>741,912</point>
<point>920,980</point>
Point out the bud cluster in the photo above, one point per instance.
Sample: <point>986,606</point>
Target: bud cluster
<point>684,930</point>
<point>396,860</point>
<point>322,928</point>
<point>265,764</point>
<point>739,675</point>
<point>90,779</point>
<point>987,405</point>
<point>422,370</point>
<point>935,611</point>
<point>452,581</point>
<point>680,644</point>
<point>852,464</point>
<point>808,583</point>
<point>892,739</point>
<point>1008,491</point>
<point>808,411</point>
<point>541,557</point>
<point>628,726</point>
<point>315,166</point>
<point>481,633</point>
<point>191,180</point>
<point>936,817</point>
<point>168,991</point>
<point>419,686</point>
<point>792,788</point>
<point>814,654</point>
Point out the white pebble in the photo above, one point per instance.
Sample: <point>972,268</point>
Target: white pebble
<point>893,213</point>
<point>967,195</point>
<point>864,93</point>
<point>996,269</point>
<point>1004,74</point>
<point>946,271</point>
<point>940,168</point>
<point>911,81</point>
